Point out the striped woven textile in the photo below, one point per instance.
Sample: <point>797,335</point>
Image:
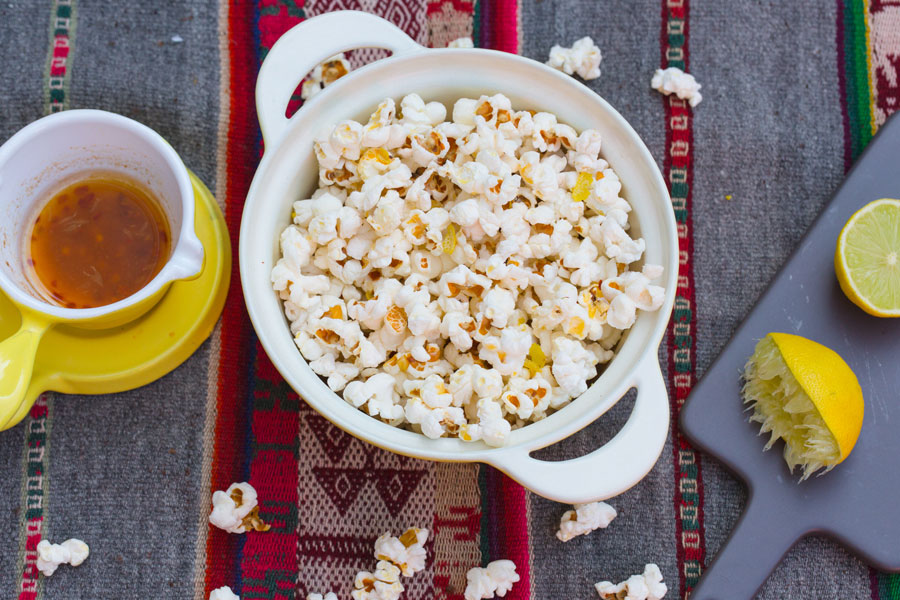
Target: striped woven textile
<point>793,91</point>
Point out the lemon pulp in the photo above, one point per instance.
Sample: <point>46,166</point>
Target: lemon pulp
<point>805,394</point>
<point>867,258</point>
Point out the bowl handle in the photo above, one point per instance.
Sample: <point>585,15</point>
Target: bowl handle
<point>610,469</point>
<point>306,45</point>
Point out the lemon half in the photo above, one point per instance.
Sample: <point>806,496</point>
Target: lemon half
<point>867,258</point>
<point>804,393</point>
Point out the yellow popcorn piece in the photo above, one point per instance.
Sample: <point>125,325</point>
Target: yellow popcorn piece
<point>449,241</point>
<point>582,188</point>
<point>536,359</point>
<point>377,154</point>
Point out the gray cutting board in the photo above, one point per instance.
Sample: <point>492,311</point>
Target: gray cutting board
<point>858,502</point>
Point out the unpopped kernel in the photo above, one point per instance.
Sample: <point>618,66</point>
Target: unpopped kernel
<point>462,277</point>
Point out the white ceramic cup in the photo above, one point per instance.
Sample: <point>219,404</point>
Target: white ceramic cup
<point>37,162</point>
<point>289,171</point>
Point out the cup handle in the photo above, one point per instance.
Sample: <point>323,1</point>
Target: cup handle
<point>306,45</point>
<point>614,467</point>
<point>17,354</point>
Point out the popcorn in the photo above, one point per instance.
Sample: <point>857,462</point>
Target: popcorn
<point>463,42</point>
<point>235,510</point>
<point>622,312</point>
<point>526,397</point>
<point>383,584</point>
<point>225,593</point>
<point>377,395</point>
<point>494,580</point>
<point>324,75</point>
<point>497,305</point>
<point>463,277</point>
<point>675,81</point>
<point>493,428</point>
<point>647,586</point>
<point>573,366</point>
<point>419,114</point>
<point>582,58</point>
<point>407,552</point>
<point>584,519</point>
<point>50,556</point>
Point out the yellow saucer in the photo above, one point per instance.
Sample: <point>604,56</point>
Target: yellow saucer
<point>104,361</point>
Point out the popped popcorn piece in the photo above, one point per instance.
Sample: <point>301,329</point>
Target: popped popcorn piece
<point>235,510</point>
<point>383,584</point>
<point>573,365</point>
<point>407,552</point>
<point>377,395</point>
<point>78,551</point>
<point>582,58</point>
<point>324,75</point>
<point>585,518</point>
<point>462,277</point>
<point>223,593</point>
<point>463,42</point>
<point>49,556</point>
<point>647,586</point>
<point>493,428</point>
<point>328,596</point>
<point>417,113</point>
<point>494,580</point>
<point>675,81</point>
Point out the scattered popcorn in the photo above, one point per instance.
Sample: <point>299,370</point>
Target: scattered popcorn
<point>235,510</point>
<point>406,552</point>
<point>324,75</point>
<point>463,42</point>
<point>462,277</point>
<point>328,596</point>
<point>383,584</point>
<point>648,586</point>
<point>584,519</point>
<point>223,593</point>
<point>582,58</point>
<point>494,580</point>
<point>70,552</point>
<point>404,555</point>
<point>675,81</point>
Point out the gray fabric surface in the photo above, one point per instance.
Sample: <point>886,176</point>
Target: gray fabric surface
<point>123,468</point>
<point>132,66</point>
<point>21,77</point>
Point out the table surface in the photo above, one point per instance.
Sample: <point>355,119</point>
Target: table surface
<point>792,92</point>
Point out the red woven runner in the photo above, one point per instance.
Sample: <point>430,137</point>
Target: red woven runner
<point>326,494</point>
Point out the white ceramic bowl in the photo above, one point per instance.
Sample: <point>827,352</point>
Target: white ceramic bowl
<point>289,172</point>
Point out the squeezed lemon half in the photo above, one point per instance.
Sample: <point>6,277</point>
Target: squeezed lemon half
<point>867,258</point>
<point>804,393</point>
